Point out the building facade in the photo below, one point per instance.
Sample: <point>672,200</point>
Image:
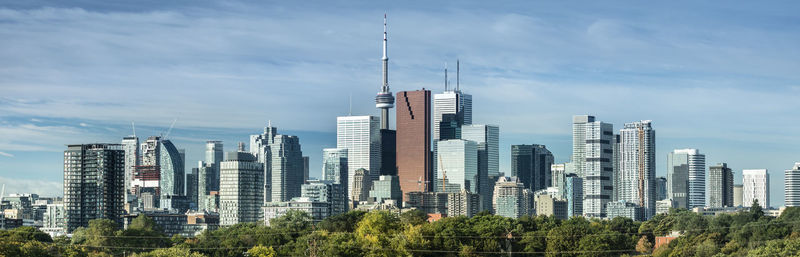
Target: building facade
<point>94,184</point>
<point>755,184</point>
<point>686,177</point>
<point>532,165</point>
<point>511,198</point>
<point>720,186</point>
<point>487,138</point>
<point>130,145</point>
<point>360,135</point>
<point>287,168</point>
<point>573,192</point>
<point>597,171</point>
<point>625,209</point>
<point>738,193</point>
<point>638,165</point>
<point>792,186</point>
<point>386,190</point>
<point>458,160</point>
<point>241,189</point>
<point>414,158</point>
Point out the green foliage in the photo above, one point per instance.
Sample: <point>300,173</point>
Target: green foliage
<point>383,233</point>
<point>261,251</point>
<point>414,217</point>
<point>170,252</point>
<point>343,222</point>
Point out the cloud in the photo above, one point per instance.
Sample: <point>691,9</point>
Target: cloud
<point>7,154</point>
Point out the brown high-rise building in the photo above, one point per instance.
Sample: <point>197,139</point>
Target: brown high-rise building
<point>414,165</point>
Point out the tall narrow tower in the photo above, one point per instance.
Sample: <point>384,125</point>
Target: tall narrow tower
<point>384,100</point>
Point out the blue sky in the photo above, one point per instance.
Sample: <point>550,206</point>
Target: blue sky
<point>718,76</point>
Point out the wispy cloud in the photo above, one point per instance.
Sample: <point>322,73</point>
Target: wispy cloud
<point>6,154</point>
<point>35,186</point>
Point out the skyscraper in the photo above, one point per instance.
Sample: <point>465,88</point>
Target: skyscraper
<point>532,165</point>
<point>241,189</point>
<point>511,198</point>
<point>661,188</point>
<point>597,171</point>
<point>260,148</point>
<point>573,192</point>
<point>459,166</point>
<point>579,123</point>
<point>755,187</point>
<point>287,168</point>
<point>191,188</point>
<point>384,100</point>
<point>451,102</point>
<point>487,138</point>
<point>638,165</point>
<point>172,171</point>
<point>208,174</point>
<point>414,164</point>
<point>686,177</point>
<point>334,165</point>
<point>792,186</point>
<point>94,184</point>
<point>615,166</point>
<point>360,135</point>
<point>130,145</point>
<point>720,186</point>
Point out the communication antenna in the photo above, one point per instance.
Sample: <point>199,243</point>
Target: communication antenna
<point>350,110</point>
<point>445,76</point>
<point>2,193</point>
<point>458,71</point>
<point>134,128</point>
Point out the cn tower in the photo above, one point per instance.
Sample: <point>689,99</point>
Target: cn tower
<point>384,100</point>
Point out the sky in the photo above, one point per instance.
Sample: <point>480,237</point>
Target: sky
<point>718,76</point>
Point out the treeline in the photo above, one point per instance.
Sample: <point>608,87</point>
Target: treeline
<point>383,233</point>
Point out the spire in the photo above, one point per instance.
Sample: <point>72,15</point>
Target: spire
<point>458,72</point>
<point>385,59</point>
<point>445,76</point>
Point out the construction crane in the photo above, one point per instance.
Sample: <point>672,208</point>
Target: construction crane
<point>170,128</point>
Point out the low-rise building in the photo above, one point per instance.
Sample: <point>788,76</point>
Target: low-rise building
<point>173,223</point>
<point>625,209</point>
<point>317,210</point>
<point>428,202</point>
<point>548,205</point>
<point>663,206</point>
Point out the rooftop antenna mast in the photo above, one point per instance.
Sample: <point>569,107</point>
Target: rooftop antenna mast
<point>445,76</point>
<point>350,110</point>
<point>134,128</point>
<point>2,193</point>
<point>458,72</point>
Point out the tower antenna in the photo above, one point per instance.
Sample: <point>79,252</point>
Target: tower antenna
<point>133,124</point>
<point>445,76</point>
<point>350,110</point>
<point>384,100</point>
<point>458,72</point>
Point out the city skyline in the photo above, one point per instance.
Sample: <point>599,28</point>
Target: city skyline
<point>45,107</point>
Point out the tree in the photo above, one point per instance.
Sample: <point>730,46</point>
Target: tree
<point>170,252</point>
<point>644,246</point>
<point>414,217</point>
<point>262,251</point>
<point>377,230</point>
<point>345,222</point>
<point>142,232</point>
<point>99,236</point>
<point>755,210</point>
